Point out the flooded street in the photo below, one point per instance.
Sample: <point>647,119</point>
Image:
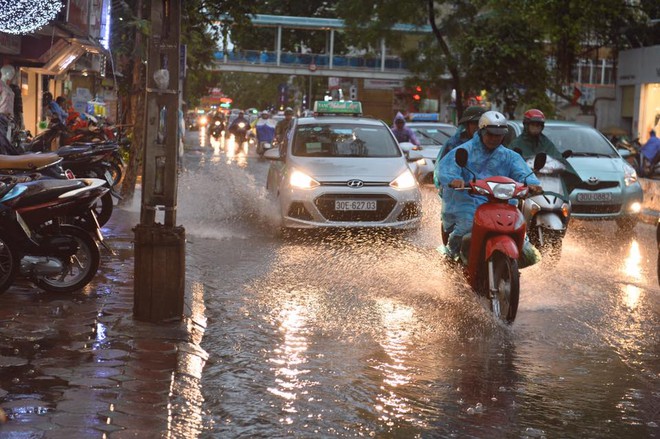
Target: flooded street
<point>370,335</point>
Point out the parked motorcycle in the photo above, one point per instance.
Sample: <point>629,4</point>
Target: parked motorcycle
<point>495,245</point>
<point>36,243</point>
<point>547,214</point>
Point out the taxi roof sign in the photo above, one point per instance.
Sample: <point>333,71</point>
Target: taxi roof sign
<point>424,117</point>
<point>338,107</point>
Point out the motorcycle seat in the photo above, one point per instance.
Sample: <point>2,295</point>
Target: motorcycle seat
<point>29,162</point>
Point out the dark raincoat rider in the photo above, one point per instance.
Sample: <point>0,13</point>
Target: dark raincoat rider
<point>532,141</point>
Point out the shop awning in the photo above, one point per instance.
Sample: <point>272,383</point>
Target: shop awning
<point>65,53</point>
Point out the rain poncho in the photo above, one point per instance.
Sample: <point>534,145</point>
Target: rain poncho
<point>458,207</point>
<point>265,129</point>
<point>652,147</point>
<point>459,138</point>
<point>532,145</point>
<point>404,134</point>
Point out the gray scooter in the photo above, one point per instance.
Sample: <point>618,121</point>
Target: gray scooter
<point>547,215</point>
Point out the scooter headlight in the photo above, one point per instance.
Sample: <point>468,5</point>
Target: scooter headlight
<point>565,210</point>
<point>217,123</point>
<point>502,191</point>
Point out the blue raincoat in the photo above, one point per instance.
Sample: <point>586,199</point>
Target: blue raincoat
<point>458,207</point>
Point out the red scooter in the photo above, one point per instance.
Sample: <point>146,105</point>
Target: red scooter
<point>496,241</point>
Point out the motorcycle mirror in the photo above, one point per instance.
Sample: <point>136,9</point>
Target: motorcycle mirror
<point>566,154</point>
<point>461,157</point>
<point>539,160</point>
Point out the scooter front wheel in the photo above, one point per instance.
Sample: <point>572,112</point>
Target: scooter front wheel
<point>504,286</point>
<point>9,265</point>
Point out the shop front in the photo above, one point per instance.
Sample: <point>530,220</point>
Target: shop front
<point>638,85</point>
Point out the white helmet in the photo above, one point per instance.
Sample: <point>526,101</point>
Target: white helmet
<point>493,122</point>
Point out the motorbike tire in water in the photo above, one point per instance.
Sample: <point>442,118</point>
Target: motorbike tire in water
<point>103,208</point>
<point>506,280</point>
<point>552,244</point>
<point>80,269</point>
<point>9,265</point>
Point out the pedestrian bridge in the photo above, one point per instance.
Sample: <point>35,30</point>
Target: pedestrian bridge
<point>377,65</point>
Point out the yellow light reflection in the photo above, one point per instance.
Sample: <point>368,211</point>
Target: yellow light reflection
<point>399,322</point>
<point>631,296</point>
<point>290,356</point>
<point>632,264</point>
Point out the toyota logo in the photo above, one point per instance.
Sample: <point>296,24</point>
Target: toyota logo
<point>355,183</point>
<point>593,180</point>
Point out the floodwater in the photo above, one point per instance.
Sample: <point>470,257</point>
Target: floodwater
<point>370,335</point>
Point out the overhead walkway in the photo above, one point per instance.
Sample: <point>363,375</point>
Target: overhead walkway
<point>371,65</point>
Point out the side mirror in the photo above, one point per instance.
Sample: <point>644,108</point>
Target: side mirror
<point>461,157</point>
<point>539,160</point>
<point>566,154</point>
<point>272,154</point>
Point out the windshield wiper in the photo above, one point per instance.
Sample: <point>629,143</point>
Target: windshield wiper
<point>437,142</point>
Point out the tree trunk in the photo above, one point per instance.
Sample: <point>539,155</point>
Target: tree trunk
<point>136,118</point>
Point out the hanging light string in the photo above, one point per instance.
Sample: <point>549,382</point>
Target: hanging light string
<point>25,16</point>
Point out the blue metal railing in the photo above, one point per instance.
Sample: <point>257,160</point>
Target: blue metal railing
<point>307,59</point>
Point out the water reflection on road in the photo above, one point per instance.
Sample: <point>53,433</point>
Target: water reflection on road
<point>350,334</point>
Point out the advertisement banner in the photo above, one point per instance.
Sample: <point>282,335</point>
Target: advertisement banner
<point>383,84</point>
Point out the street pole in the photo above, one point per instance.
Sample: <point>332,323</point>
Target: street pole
<point>160,248</point>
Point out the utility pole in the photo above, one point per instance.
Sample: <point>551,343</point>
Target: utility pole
<point>160,248</point>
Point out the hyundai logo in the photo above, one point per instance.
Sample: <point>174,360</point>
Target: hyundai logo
<point>355,183</point>
<point>593,180</point>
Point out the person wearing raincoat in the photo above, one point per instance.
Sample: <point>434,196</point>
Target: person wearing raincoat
<point>402,132</point>
<point>468,124</point>
<point>486,157</point>
<point>532,141</point>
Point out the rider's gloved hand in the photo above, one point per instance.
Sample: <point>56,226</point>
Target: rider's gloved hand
<point>535,189</point>
<point>457,183</point>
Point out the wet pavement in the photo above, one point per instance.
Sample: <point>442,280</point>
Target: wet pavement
<point>79,366</point>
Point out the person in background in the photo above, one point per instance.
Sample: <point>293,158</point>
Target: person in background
<point>467,126</point>
<point>52,110</point>
<point>650,154</point>
<point>282,129</point>
<point>402,132</point>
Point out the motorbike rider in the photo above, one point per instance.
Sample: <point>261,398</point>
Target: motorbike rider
<point>265,128</point>
<point>282,129</point>
<point>402,132</point>
<point>487,157</point>
<point>532,141</point>
<point>468,124</point>
<point>234,128</point>
<point>650,153</point>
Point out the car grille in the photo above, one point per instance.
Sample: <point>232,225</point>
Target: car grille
<point>326,205</point>
<point>595,209</point>
<point>600,185</point>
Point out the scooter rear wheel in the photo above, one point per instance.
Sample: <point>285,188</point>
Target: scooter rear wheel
<point>506,279</point>
<point>81,268</point>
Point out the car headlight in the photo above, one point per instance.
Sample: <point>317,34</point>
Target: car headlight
<point>300,180</point>
<point>629,174</point>
<point>404,181</point>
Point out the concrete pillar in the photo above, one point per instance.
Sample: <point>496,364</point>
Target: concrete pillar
<point>160,248</point>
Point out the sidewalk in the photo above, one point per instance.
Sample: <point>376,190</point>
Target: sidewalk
<point>79,366</point>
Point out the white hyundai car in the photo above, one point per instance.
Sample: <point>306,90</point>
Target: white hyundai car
<point>340,170</point>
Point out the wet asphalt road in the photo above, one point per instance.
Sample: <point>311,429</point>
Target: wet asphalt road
<point>370,335</point>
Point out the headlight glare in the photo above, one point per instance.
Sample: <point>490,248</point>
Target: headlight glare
<point>300,180</point>
<point>404,181</point>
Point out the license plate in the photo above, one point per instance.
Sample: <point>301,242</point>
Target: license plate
<point>595,196</point>
<point>344,205</point>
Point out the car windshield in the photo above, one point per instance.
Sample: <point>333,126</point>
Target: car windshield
<point>344,140</point>
<point>583,141</point>
<point>429,136</point>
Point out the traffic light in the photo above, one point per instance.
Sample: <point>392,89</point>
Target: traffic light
<point>417,93</point>
<point>352,91</point>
